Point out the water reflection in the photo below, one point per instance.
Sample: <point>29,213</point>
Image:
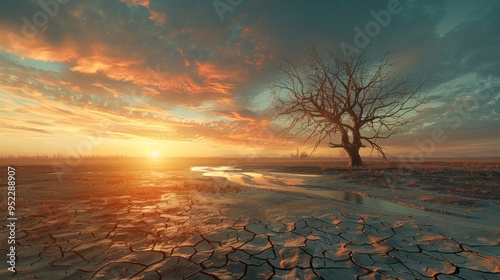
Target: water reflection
<point>351,197</point>
<point>219,168</point>
<point>296,183</point>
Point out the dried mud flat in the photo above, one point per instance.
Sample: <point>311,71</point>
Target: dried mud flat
<point>180,225</point>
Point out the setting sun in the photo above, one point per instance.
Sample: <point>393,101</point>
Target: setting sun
<point>144,139</point>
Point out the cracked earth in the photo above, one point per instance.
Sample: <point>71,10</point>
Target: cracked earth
<point>170,226</point>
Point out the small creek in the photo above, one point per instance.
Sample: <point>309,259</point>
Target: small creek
<point>288,182</point>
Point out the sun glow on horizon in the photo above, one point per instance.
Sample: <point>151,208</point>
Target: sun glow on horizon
<point>155,154</point>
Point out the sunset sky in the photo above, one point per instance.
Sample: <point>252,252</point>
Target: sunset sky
<point>190,78</point>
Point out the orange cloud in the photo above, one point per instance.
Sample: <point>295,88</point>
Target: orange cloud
<point>145,109</point>
<point>35,47</point>
<point>237,116</point>
<point>94,64</point>
<point>108,89</point>
<point>214,79</point>
<point>150,91</point>
<point>213,82</point>
<point>219,79</point>
<point>212,72</point>
<point>130,3</point>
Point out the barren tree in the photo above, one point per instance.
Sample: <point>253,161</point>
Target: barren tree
<point>353,99</point>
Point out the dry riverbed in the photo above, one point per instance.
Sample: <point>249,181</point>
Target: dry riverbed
<point>123,224</point>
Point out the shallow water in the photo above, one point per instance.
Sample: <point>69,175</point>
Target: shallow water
<point>295,183</point>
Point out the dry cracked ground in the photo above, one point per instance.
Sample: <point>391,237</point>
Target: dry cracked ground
<point>168,226</point>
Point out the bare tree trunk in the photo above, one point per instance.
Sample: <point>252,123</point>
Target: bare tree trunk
<point>354,157</point>
<point>352,148</point>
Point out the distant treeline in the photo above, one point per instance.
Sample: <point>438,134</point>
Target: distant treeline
<point>59,156</point>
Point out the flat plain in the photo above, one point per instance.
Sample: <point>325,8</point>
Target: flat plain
<point>222,218</point>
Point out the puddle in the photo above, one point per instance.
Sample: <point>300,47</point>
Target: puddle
<point>219,168</point>
<point>295,183</point>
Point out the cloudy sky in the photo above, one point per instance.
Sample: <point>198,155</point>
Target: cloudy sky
<point>190,78</point>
